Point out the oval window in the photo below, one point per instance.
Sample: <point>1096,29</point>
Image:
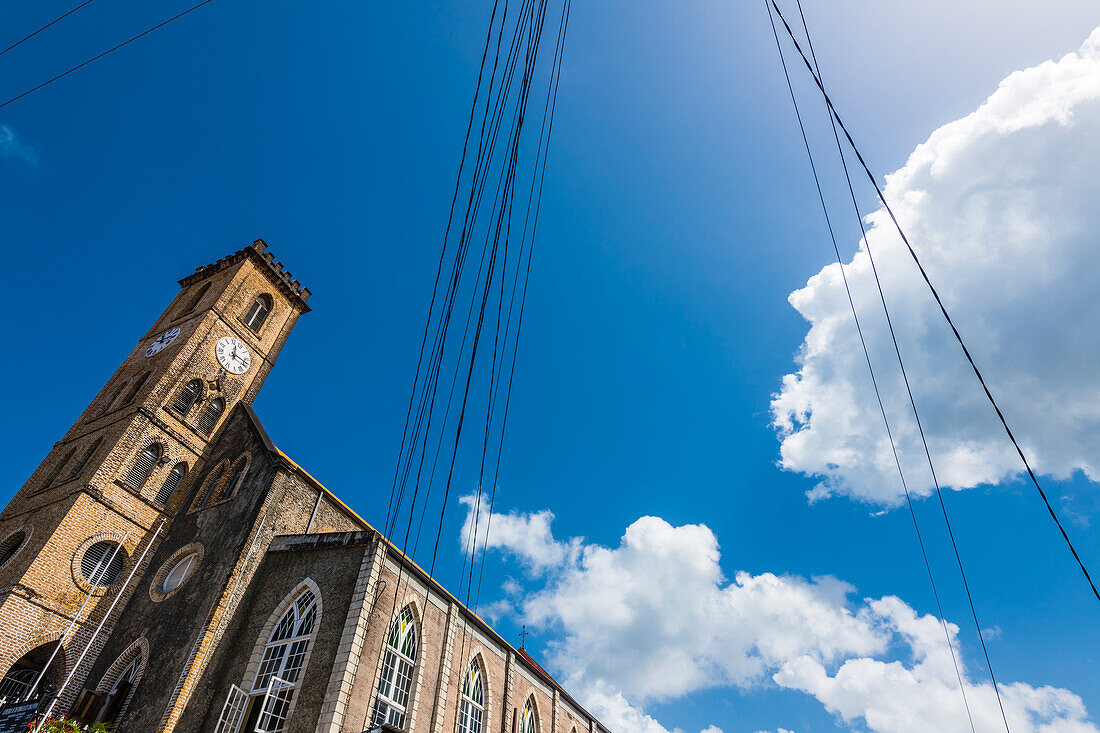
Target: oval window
<point>101,565</point>
<point>10,546</point>
<point>179,574</point>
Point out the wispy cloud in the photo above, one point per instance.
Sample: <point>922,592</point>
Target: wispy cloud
<point>12,147</point>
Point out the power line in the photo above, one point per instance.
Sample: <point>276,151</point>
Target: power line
<point>939,301</point>
<point>32,35</point>
<point>104,53</point>
<point>870,369</point>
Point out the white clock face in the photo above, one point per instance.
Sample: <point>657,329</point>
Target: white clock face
<point>163,340</point>
<point>233,355</point>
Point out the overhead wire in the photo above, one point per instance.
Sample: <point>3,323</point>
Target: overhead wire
<point>98,56</point>
<point>870,368</point>
<point>835,115</point>
<point>55,20</point>
<point>437,424</point>
<point>902,369</point>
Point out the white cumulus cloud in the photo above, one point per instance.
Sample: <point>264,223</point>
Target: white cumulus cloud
<point>1001,206</point>
<point>12,147</point>
<point>661,593</point>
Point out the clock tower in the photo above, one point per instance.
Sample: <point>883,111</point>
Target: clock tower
<point>107,490</point>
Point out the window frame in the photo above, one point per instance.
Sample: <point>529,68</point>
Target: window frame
<point>262,306</point>
<point>396,663</point>
<point>134,470</point>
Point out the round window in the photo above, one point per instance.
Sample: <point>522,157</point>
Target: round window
<point>101,565</point>
<point>10,546</point>
<point>179,574</point>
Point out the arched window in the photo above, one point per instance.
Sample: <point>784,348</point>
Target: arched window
<point>191,304</point>
<point>236,474</point>
<point>527,721</point>
<point>179,573</point>
<point>471,710</point>
<point>135,387</point>
<point>10,546</point>
<point>110,398</point>
<point>257,314</point>
<point>86,456</point>
<point>49,479</point>
<point>16,683</point>
<point>143,467</point>
<point>171,483</point>
<point>210,484</point>
<point>102,563</point>
<point>395,683</point>
<point>282,662</point>
<point>210,416</point>
<point>187,397</point>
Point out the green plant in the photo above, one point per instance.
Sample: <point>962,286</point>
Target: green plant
<point>68,725</point>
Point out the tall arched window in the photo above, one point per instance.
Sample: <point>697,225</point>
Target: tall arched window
<point>187,397</point>
<point>471,711</point>
<point>171,483</point>
<point>143,467</point>
<point>395,683</point>
<point>109,398</point>
<point>210,416</point>
<point>527,721</point>
<point>49,479</point>
<point>135,387</point>
<point>86,456</point>
<point>236,474</point>
<point>257,314</point>
<point>283,658</point>
<point>196,298</point>
<point>210,484</point>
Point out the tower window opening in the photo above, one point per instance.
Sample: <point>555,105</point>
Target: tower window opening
<point>187,397</point>
<point>10,546</point>
<point>84,458</point>
<point>101,565</point>
<point>194,302</point>
<point>210,416</point>
<point>168,488</point>
<point>135,387</point>
<point>143,467</point>
<point>258,313</point>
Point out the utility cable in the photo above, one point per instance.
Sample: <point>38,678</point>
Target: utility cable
<point>104,53</point>
<point>905,378</point>
<point>939,302</point>
<point>870,369</point>
<point>55,20</point>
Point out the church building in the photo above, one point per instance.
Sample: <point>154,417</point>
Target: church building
<point>168,568</point>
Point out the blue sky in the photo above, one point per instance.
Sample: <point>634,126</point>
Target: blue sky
<point>679,216</point>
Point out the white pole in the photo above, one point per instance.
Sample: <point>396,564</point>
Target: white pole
<point>97,576</point>
<point>98,628</point>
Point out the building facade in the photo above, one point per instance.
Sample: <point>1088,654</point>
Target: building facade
<point>168,568</point>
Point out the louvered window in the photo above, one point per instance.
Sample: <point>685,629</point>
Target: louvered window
<point>101,564</point>
<point>210,416</point>
<point>143,467</point>
<point>185,400</point>
<point>171,484</point>
<point>10,546</point>
<point>257,314</point>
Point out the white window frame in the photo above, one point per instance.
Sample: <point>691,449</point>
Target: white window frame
<point>233,711</point>
<point>387,708</point>
<point>471,712</point>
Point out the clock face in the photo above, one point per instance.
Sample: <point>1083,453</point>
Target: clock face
<point>163,340</point>
<point>233,355</point>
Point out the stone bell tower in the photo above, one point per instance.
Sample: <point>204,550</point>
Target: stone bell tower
<point>74,531</point>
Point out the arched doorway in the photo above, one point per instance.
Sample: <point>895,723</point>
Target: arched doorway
<point>19,679</point>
